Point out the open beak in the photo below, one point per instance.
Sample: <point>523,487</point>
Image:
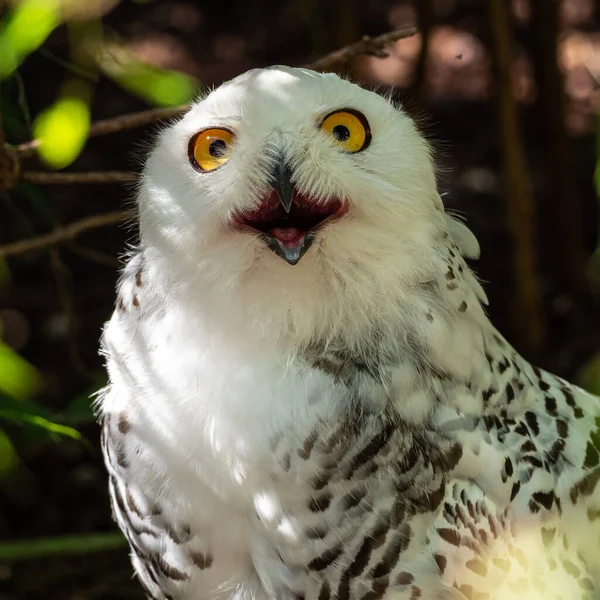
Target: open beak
<point>288,219</point>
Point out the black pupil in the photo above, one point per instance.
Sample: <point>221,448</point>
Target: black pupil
<point>217,148</point>
<point>341,133</point>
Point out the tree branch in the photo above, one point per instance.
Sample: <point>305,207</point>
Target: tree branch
<point>42,178</point>
<point>115,124</point>
<point>65,233</point>
<point>367,45</point>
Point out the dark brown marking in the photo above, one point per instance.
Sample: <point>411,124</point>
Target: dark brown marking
<point>353,498</point>
<point>548,534</point>
<point>587,584</point>
<point>477,566</point>
<point>550,405</point>
<point>441,561</point>
<point>510,392</point>
<point>325,591</point>
<point>136,302</point>
<point>528,446</point>
<point>361,560</point>
<point>415,593</point>
<point>371,450</point>
<point>326,559</point>
<point>585,486</point>
<point>546,499</point>
<point>309,443</point>
<point>449,535</point>
<point>562,427</point>
<point>508,466</point>
<point>501,563</point>
<point>286,462</point>
<point>571,568</point>
<point>203,560</point>
<point>463,307</point>
<point>343,591</point>
<point>168,570</point>
<point>532,422</point>
<point>318,482</point>
<point>123,424</point>
<point>138,278</point>
<point>591,456</point>
<point>404,578</point>
<point>315,533</point>
<point>392,553</point>
<point>133,507</point>
<point>320,503</point>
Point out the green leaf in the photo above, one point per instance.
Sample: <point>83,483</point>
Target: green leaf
<point>8,456</point>
<point>25,29</point>
<point>18,550</point>
<point>18,378</point>
<point>157,86</point>
<point>589,376</point>
<point>29,414</point>
<point>62,130</point>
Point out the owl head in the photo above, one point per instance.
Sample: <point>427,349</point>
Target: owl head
<point>311,197</point>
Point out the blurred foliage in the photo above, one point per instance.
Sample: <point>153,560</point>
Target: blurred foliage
<point>18,378</point>
<point>160,87</point>
<point>24,30</point>
<point>62,546</point>
<point>62,128</point>
<point>589,375</point>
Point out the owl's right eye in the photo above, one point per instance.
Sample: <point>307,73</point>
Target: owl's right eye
<point>210,149</point>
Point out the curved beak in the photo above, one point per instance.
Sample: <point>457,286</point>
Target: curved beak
<point>281,182</point>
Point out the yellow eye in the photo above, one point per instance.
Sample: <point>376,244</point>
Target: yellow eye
<point>210,149</point>
<point>348,129</point>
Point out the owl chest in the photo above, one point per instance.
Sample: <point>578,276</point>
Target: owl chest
<point>345,507</point>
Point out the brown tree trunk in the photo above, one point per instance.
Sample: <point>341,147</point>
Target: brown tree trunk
<point>562,207</point>
<point>526,314</point>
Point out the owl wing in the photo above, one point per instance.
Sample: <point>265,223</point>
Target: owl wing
<point>140,521</point>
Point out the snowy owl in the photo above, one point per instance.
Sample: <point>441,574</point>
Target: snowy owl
<point>306,398</point>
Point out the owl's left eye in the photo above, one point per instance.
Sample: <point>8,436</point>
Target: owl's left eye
<point>348,129</point>
<point>210,149</point>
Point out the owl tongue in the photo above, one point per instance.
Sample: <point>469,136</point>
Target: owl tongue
<point>288,236</point>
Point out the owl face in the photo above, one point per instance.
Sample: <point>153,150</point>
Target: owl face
<point>287,170</point>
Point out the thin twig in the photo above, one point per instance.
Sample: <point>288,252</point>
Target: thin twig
<point>115,124</point>
<point>106,260</point>
<point>425,15</point>
<point>527,317</point>
<point>65,233</point>
<point>367,45</point>
<point>42,178</point>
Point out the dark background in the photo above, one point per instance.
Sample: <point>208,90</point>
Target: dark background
<point>55,300</point>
